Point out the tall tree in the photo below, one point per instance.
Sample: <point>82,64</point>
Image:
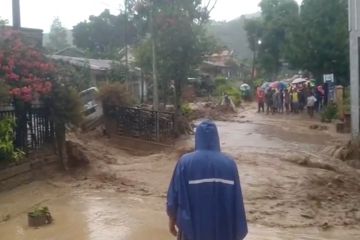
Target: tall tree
<point>278,18</point>
<point>57,36</point>
<point>319,44</point>
<point>180,38</point>
<point>104,35</point>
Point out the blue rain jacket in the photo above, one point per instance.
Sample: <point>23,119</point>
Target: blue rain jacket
<point>205,195</point>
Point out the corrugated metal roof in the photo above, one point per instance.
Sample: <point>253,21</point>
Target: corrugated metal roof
<point>94,64</point>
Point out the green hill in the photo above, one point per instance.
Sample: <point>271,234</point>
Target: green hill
<point>233,35</point>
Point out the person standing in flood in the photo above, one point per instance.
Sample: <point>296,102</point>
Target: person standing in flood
<point>311,100</point>
<point>275,101</point>
<point>287,100</point>
<point>260,97</point>
<point>204,200</point>
<point>269,100</point>
<point>295,101</point>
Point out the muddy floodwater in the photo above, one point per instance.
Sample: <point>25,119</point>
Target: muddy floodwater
<point>292,188</point>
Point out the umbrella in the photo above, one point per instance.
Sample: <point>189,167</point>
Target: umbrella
<point>283,85</point>
<point>299,80</point>
<point>274,84</point>
<point>244,87</point>
<point>265,85</point>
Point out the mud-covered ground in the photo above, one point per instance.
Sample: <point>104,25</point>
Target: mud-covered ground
<point>293,188</point>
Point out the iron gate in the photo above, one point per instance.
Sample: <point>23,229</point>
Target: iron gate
<point>144,124</point>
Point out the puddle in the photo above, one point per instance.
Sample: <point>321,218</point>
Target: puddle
<point>108,215</point>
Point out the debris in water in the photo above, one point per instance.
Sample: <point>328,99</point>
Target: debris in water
<point>5,218</point>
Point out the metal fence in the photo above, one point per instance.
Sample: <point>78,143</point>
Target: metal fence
<point>33,126</point>
<point>144,124</point>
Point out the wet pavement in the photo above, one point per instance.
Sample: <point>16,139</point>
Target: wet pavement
<point>122,195</point>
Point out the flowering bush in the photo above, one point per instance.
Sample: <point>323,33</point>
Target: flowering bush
<point>22,67</point>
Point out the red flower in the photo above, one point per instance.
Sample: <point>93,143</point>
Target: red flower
<point>16,92</point>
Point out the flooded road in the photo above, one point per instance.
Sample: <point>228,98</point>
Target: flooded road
<point>292,190</point>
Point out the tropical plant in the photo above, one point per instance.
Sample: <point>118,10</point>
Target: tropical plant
<point>7,150</point>
<point>330,112</point>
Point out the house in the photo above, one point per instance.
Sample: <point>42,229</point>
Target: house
<point>220,64</point>
<point>101,70</point>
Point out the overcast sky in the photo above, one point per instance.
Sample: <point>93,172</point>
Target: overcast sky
<point>41,13</point>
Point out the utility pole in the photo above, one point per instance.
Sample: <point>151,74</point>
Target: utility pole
<point>154,70</point>
<point>126,43</point>
<point>154,65</point>
<point>255,53</point>
<point>16,14</point>
<point>354,29</point>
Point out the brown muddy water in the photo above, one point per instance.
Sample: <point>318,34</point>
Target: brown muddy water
<point>291,190</point>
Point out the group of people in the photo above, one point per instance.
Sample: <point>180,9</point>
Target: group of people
<point>290,100</point>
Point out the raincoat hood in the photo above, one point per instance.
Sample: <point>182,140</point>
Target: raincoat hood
<point>207,137</point>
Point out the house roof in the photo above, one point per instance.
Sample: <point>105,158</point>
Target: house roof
<point>216,64</point>
<point>94,64</point>
<point>71,52</point>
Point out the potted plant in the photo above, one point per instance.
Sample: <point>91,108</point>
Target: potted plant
<point>39,217</point>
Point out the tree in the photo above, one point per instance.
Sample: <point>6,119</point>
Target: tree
<point>319,44</point>
<point>279,18</point>
<point>3,22</point>
<point>254,30</point>
<point>180,39</point>
<point>105,35</point>
<point>57,36</point>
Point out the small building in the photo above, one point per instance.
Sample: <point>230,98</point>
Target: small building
<point>220,64</point>
<point>101,70</point>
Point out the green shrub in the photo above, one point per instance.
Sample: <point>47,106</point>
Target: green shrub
<point>115,94</point>
<point>65,105</point>
<point>7,149</point>
<point>40,211</point>
<point>231,91</point>
<point>329,113</point>
<point>4,93</point>
<point>220,81</point>
<point>258,82</point>
<point>186,110</point>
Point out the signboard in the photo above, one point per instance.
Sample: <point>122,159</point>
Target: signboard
<point>332,91</point>
<point>329,78</point>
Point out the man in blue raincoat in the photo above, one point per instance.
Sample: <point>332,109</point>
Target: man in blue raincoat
<point>204,199</point>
